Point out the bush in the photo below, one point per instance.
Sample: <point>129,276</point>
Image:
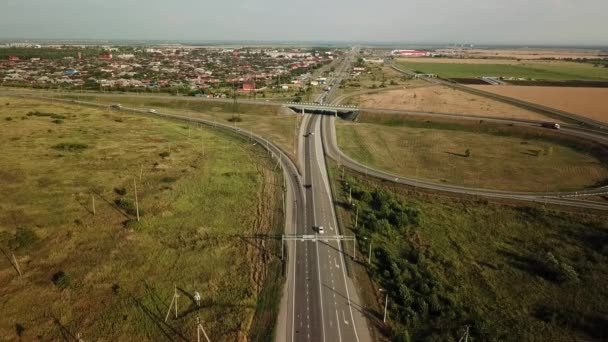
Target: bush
<point>120,191</point>
<point>61,280</point>
<point>42,114</point>
<point>71,147</point>
<point>568,274</point>
<point>19,329</point>
<point>164,154</point>
<point>127,205</point>
<point>9,119</point>
<point>24,237</point>
<point>57,121</point>
<point>235,118</point>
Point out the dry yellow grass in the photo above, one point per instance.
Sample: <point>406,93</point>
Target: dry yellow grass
<point>441,99</point>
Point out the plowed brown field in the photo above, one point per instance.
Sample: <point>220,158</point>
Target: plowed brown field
<point>440,99</point>
<point>588,102</point>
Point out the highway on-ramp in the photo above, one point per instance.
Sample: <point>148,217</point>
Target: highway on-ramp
<point>560,198</point>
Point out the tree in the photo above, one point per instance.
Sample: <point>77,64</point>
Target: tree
<point>467,153</point>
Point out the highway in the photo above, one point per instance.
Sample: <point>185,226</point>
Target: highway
<point>320,293</point>
<point>320,302</point>
<point>342,317</point>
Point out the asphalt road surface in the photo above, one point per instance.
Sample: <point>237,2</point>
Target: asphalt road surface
<point>339,313</point>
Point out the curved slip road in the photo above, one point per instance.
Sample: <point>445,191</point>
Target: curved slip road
<point>561,198</point>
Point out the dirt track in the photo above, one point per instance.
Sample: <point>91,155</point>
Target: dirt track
<point>588,102</point>
<point>440,99</point>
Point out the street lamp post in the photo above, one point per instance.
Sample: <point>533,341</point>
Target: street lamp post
<point>385,303</point>
<point>369,258</point>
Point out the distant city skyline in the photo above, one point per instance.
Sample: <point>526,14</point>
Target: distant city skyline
<point>518,22</point>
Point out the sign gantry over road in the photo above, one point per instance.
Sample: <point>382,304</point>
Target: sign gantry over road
<point>317,237</point>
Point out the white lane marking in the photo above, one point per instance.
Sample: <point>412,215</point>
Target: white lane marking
<point>326,183</point>
<point>338,325</point>
<point>344,316</point>
<point>336,261</point>
<point>293,309</point>
<point>320,291</point>
<point>350,307</point>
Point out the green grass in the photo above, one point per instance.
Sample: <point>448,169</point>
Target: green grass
<point>556,71</point>
<point>501,157</point>
<point>448,263</point>
<point>108,276</point>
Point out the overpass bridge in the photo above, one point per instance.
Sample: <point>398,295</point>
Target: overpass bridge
<point>316,108</point>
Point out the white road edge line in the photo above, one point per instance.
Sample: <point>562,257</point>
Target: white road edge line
<point>350,307</point>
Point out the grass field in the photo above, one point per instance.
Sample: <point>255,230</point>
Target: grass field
<point>539,70</point>
<point>203,197</point>
<point>501,157</point>
<point>512,273</point>
<point>272,122</point>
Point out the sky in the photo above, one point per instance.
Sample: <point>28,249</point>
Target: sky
<point>581,22</point>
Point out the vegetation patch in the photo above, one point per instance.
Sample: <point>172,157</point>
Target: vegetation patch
<point>198,236</point>
<point>71,147</point>
<point>61,280</point>
<point>509,273</point>
<point>23,238</point>
<point>51,115</point>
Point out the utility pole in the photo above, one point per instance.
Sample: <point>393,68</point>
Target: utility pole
<point>369,258</point>
<point>173,300</point>
<point>199,328</point>
<point>385,307</point>
<point>136,201</point>
<point>466,335</point>
<point>93,200</point>
<point>356,215</point>
<point>16,264</point>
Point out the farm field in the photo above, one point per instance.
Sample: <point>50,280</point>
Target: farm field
<point>591,103</point>
<point>442,99</point>
<point>538,70</point>
<point>526,53</point>
<point>500,157</point>
<point>96,271</point>
<point>509,272</point>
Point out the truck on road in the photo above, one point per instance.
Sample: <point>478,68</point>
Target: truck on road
<point>552,125</point>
